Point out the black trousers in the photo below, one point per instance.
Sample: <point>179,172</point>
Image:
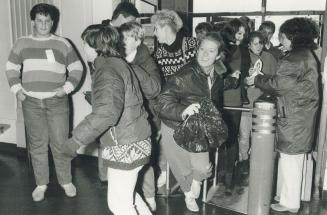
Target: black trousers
<point>229,150</point>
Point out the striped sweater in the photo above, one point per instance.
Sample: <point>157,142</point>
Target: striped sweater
<point>41,65</point>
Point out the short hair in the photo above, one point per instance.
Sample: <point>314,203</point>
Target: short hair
<point>256,34</point>
<point>133,29</point>
<point>126,9</point>
<point>167,17</point>
<point>215,37</point>
<point>314,27</point>
<point>219,26</point>
<point>103,38</point>
<point>299,31</point>
<point>269,25</point>
<point>231,28</point>
<point>204,26</point>
<point>45,9</point>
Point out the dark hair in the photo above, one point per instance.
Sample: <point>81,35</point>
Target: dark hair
<point>269,25</point>
<point>44,9</point>
<point>256,34</point>
<point>300,32</point>
<point>215,37</point>
<point>219,26</point>
<point>126,9</point>
<point>231,28</point>
<point>204,26</point>
<point>103,38</point>
<point>314,28</point>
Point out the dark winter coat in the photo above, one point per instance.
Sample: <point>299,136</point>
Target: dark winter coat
<point>148,73</point>
<point>296,87</point>
<point>237,58</point>
<point>117,106</point>
<point>189,86</point>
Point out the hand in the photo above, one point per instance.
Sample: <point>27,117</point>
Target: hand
<point>60,92</point>
<point>251,71</point>
<point>190,110</point>
<point>236,74</point>
<point>208,172</point>
<point>69,148</point>
<point>20,95</point>
<point>250,80</point>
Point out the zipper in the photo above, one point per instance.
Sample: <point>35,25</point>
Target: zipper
<point>112,131</point>
<point>209,85</point>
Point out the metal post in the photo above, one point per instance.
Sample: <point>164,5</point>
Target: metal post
<point>204,190</point>
<point>167,180</point>
<point>262,157</point>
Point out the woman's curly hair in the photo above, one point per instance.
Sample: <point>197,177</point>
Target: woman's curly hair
<point>133,29</point>
<point>301,32</point>
<point>167,17</point>
<point>231,28</point>
<point>103,38</point>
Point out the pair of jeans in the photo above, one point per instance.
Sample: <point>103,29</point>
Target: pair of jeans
<point>47,124</point>
<point>184,165</point>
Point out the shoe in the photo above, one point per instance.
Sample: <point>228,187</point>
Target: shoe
<point>70,189</point>
<point>277,198</point>
<point>38,193</point>
<point>151,203</point>
<point>281,208</point>
<point>228,192</point>
<point>191,204</point>
<point>196,188</point>
<point>162,179</point>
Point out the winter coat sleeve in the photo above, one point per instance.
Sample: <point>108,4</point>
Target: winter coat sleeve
<point>168,105</point>
<point>284,79</point>
<point>147,73</point>
<point>107,107</point>
<point>230,82</point>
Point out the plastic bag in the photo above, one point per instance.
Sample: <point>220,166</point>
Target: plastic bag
<point>202,131</point>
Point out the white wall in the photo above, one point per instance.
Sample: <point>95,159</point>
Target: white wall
<point>7,100</point>
<point>75,16</point>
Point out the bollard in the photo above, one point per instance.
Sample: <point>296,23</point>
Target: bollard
<point>262,156</point>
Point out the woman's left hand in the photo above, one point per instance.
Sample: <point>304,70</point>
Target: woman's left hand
<point>236,74</point>
<point>250,80</point>
<point>190,110</point>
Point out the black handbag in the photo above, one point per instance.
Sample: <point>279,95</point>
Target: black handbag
<point>202,131</point>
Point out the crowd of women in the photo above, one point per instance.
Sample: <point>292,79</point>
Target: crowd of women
<point>137,97</point>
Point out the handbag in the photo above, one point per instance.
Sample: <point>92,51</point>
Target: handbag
<point>202,131</point>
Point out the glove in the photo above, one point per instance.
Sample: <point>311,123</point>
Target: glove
<point>69,148</point>
<point>190,110</point>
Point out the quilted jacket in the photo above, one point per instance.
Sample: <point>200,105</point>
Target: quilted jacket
<point>296,86</point>
<point>118,113</point>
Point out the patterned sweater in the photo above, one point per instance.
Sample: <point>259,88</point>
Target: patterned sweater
<point>39,65</point>
<point>171,58</point>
